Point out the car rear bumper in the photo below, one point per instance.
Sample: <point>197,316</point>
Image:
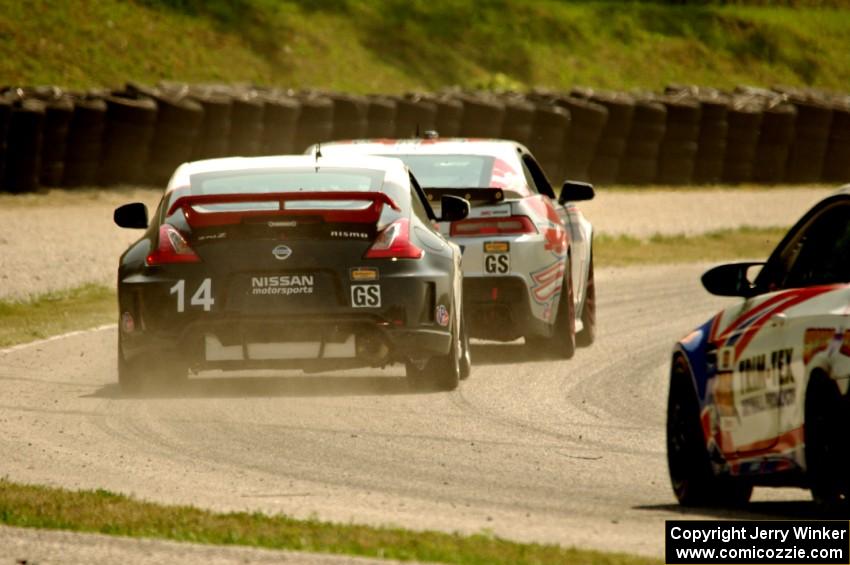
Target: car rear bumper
<point>325,330</point>
<point>499,308</point>
<point>318,342</point>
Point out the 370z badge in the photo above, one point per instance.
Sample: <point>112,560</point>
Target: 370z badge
<point>366,296</point>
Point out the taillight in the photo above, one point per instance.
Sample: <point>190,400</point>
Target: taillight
<point>493,226</point>
<point>394,243</point>
<point>172,248</point>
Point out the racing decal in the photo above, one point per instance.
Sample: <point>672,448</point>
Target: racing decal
<point>725,359</point>
<point>547,281</point>
<point>494,212</point>
<point>363,274</point>
<point>285,285</point>
<point>757,373</point>
<point>349,234</point>
<point>128,325</point>
<point>816,340</point>
<point>441,315</point>
<point>505,177</point>
<point>220,235</point>
<point>497,264</point>
<point>744,328</point>
<point>552,226</point>
<point>282,252</point>
<point>845,343</point>
<point>497,246</point>
<point>202,297</point>
<point>366,296</point>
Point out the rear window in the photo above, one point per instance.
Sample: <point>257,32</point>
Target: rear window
<point>465,171</point>
<point>449,171</point>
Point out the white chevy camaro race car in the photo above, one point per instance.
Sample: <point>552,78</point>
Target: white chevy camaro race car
<point>527,254</point>
<point>760,393</point>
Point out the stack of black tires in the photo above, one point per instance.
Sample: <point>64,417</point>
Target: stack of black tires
<point>139,134</point>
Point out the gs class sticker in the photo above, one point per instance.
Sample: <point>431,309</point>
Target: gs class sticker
<point>499,264</point>
<point>497,258</point>
<point>366,296</point>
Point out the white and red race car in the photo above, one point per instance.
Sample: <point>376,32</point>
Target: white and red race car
<point>760,393</point>
<point>527,254</point>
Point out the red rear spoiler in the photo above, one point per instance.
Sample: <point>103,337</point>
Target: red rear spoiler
<point>205,219</point>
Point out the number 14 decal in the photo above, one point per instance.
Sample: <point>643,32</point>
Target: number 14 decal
<point>202,297</point>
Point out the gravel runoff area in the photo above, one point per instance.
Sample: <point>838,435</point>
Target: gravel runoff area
<point>66,238</point>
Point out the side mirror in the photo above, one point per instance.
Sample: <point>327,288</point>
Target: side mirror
<point>133,215</point>
<point>453,208</point>
<point>575,191</point>
<point>730,280</point>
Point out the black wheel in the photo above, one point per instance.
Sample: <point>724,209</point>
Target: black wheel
<point>827,449</point>
<point>148,372</point>
<point>562,343</point>
<point>691,476</point>
<point>465,357</point>
<point>441,372</point>
<point>130,374</point>
<point>587,335</point>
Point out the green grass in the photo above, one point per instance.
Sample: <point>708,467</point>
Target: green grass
<point>107,513</point>
<point>394,45</point>
<point>55,313</point>
<point>722,245</point>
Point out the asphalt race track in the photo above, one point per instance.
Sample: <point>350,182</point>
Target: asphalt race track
<point>569,452</point>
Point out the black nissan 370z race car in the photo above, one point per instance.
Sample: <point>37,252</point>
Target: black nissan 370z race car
<point>291,262</point>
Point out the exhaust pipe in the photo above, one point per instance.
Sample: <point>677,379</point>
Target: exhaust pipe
<point>371,347</point>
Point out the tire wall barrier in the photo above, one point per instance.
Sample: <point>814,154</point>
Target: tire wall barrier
<point>643,144</point>
<point>140,134</point>
<point>605,167</point>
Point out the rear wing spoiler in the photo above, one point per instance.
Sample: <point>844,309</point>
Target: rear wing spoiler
<point>473,195</point>
<point>198,219</point>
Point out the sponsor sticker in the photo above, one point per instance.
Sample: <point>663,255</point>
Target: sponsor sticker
<point>815,341</point>
<point>366,296</point>
<point>363,274</point>
<point>500,211</point>
<point>845,343</point>
<point>127,323</point>
<point>497,246</point>
<point>282,285</point>
<point>441,315</point>
<point>726,359</point>
<point>220,235</point>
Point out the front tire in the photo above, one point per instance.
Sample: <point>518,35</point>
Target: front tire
<point>827,456</point>
<point>691,476</point>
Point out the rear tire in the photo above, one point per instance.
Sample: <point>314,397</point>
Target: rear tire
<point>152,371</point>
<point>441,372</point>
<point>691,476</point>
<point>562,343</point>
<point>465,357</point>
<point>130,375</point>
<point>587,335</point>
<point>827,456</point>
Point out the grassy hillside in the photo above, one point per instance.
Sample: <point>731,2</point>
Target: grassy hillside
<point>394,45</point>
